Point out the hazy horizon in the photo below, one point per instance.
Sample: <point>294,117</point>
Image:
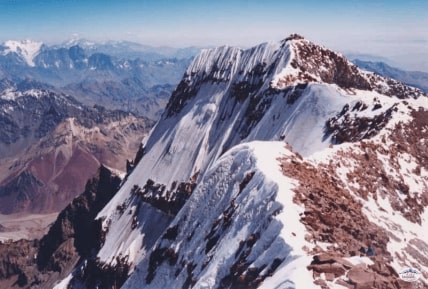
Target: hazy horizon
<point>392,29</point>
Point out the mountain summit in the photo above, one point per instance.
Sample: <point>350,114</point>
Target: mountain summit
<point>279,166</point>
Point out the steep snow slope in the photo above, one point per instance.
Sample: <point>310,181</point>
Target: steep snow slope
<point>250,224</point>
<point>226,216</point>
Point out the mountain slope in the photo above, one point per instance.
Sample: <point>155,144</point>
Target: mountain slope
<point>253,177</point>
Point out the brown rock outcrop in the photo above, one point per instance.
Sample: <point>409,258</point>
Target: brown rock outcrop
<point>334,215</point>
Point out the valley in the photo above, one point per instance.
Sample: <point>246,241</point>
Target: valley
<point>25,226</point>
<point>50,145</point>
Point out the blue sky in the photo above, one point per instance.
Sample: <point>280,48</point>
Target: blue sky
<point>384,27</point>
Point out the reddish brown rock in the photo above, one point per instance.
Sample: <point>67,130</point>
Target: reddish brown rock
<point>335,268</point>
<point>322,283</point>
<point>332,214</point>
<point>344,284</point>
<point>329,276</point>
<point>361,276</point>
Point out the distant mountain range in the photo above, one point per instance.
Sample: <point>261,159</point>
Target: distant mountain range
<point>414,61</point>
<point>117,75</point>
<point>414,78</point>
<point>127,75</point>
<point>130,50</point>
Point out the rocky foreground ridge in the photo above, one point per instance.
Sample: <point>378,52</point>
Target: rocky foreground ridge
<point>272,167</point>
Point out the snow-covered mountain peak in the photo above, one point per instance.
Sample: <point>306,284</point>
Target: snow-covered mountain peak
<point>84,43</point>
<point>231,190</point>
<point>26,49</point>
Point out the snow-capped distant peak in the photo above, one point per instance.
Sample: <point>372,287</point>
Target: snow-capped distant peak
<point>27,49</point>
<point>80,42</point>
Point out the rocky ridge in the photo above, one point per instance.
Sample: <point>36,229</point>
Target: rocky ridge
<point>314,63</point>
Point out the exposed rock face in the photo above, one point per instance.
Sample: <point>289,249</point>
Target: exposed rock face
<point>17,259</point>
<point>333,217</point>
<point>376,275</point>
<point>74,235</point>
<point>329,66</point>
<point>344,127</point>
<point>76,221</point>
<point>169,200</point>
<point>315,63</point>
